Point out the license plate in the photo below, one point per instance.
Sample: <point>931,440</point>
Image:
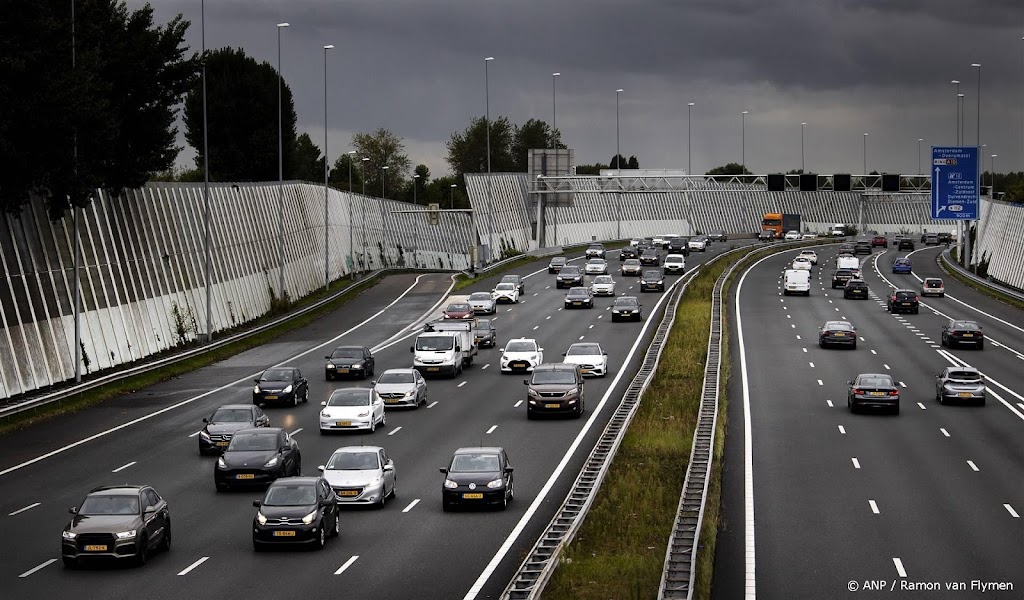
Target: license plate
<point>433,368</point>
<point>392,401</point>
<point>877,393</point>
<point>348,493</point>
<point>475,496</point>
<point>552,406</point>
<point>520,365</point>
<point>270,397</point>
<point>284,534</point>
<point>964,394</point>
<point>344,423</point>
<point>343,370</point>
<point>905,304</point>
<point>968,335</point>
<point>584,370</point>
<point>839,334</point>
<point>96,548</point>
<point>577,303</point>
<point>222,444</point>
<point>245,476</point>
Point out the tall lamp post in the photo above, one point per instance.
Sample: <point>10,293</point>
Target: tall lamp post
<point>992,191</point>
<point>554,146</point>
<point>76,217</point>
<point>689,137</point>
<point>978,132</point>
<point>362,205</point>
<point>206,189</point>
<point>956,82</point>
<point>415,181</point>
<point>490,190</point>
<point>327,172</point>
<point>865,159</point>
<point>802,125</point>
<point>960,109</point>
<point>383,216</point>
<point>280,164</point>
<point>618,166</point>
<point>351,224</point>
<point>919,140</point>
<point>743,133</point>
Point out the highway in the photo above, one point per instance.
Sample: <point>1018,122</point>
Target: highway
<point>408,549</point>
<point>929,497</point>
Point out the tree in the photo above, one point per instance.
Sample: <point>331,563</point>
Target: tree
<point>594,169</point>
<point>383,148</point>
<point>532,135</point>
<point>242,115</point>
<point>729,169</point>
<point>633,163</point>
<point>440,191</point>
<point>339,173</point>
<point>307,164</point>
<point>117,105</point>
<point>467,150</point>
<point>419,184</point>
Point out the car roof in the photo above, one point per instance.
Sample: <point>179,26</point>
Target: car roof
<point>308,480</point>
<point>354,449</point>
<point>347,348</point>
<point>116,490</point>
<point>510,276</point>
<point>523,339</point>
<point>679,256</point>
<point>480,450</point>
<point>556,366</point>
<point>400,370</point>
<point>233,406</point>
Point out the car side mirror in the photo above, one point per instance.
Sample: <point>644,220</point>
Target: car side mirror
<point>563,354</point>
<point>323,403</point>
<point>149,509</point>
<point>374,382</point>
<point>321,468</point>
<point>443,470</point>
<point>389,467</point>
<point>849,383</point>
<point>508,469</point>
<point>526,382</point>
<point>256,380</point>
<point>411,349</point>
<point>540,349</point>
<point>327,357</point>
<point>604,353</point>
<point>257,503</point>
<point>205,420</point>
<point>73,510</point>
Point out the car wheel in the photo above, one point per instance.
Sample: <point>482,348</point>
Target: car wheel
<point>981,402</point>
<point>916,310</point>
<point>981,345</point>
<point>165,543</point>
<point>938,396</point>
<point>896,410</point>
<point>383,419</point>
<point>373,425</point>
<point>297,471</point>
<point>529,415</point>
<point>504,502</point>
<point>854,345</point>
<point>328,377</point>
<point>852,406</point>
<point>70,563</point>
<point>305,397</point>
<point>142,554</point>
<point>942,295</point>
<point>256,546</point>
<point>337,524</point>
<point>445,507</point>
<point>322,540</point>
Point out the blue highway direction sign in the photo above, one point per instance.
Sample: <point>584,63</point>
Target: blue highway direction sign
<point>955,188</point>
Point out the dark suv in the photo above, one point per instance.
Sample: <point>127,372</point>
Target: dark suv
<point>628,252</point>
<point>862,247</point>
<point>905,244</point>
<point>652,281</point>
<point>679,245</point>
<point>569,276</point>
<point>650,258</point>
<point>902,301</point>
<point>555,388</point>
<point>117,522</point>
<point>855,288</point>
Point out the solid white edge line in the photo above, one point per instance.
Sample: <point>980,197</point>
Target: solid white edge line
<point>34,569</point>
<point>432,404</point>
<point>874,506</point>
<point>957,362</point>
<point>192,435</point>
<point>123,467</point>
<point>187,401</point>
<point>411,504</point>
<point>395,430</point>
<point>21,510</point>
<point>189,568</point>
<point>348,563</point>
<point>899,567</point>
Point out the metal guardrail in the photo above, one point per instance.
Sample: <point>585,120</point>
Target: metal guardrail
<point>946,262</point>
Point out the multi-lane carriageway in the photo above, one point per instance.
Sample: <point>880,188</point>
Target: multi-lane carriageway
<point>924,502</point>
<point>410,549</point>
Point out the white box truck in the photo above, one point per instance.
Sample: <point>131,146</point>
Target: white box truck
<point>444,347</point>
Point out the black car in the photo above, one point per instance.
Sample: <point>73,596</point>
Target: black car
<point>837,333</point>
<point>225,421</point>
<point>124,522</point>
<point>349,361</point>
<point>485,333</point>
<point>477,477</point>
<point>627,307</point>
<point>579,297</point>
<point>718,236</point>
<point>628,252</point>
<point>840,277</point>
<point>284,385</point>
<point>945,238</point>
<point>679,245</point>
<point>766,235</point>
<point>902,301</point>
<point>555,264</point>
<point>873,390</point>
<point>652,281</point>
<point>569,276</point>
<point>847,249</point>
<point>856,288</point>
<point>906,244</point>
<point>256,457</point>
<point>650,258</point>
<point>516,279</point>
<point>957,333</point>
<point>862,247</point>
<point>595,251</point>
<point>296,510</point>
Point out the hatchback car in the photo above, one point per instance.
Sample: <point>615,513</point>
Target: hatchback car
<point>628,252</point>
<point>902,301</point>
<point>569,276</point>
<point>603,285</point>
<point>841,276</point>
<point>627,307</point>
<point>902,265</point>
<point>698,244</point>
<point>802,263</point>
<point>483,303</point>
<point>956,333</point>
<point>505,292</point>
<point>810,255</point>
<point>837,333</point>
<point>718,235</point>
<point>862,247</point>
<point>579,297</point>
<point>960,384</point>
<point>675,263</point>
<point>555,264</point>
<point>766,235</point>
<point>905,244</point>
<point>282,385</point>
<point>361,475</point>
<point>652,281</point>
<point>856,288</point>
<point>401,387</point>
<point>595,251</point>
<point>460,311</point>
<point>225,421</point>
<point>632,267</point>
<point>931,240</point>
<point>590,356</point>
<point>477,477</point>
<point>873,390</point>
<point>555,388</point>
<point>256,457</point>
<point>356,361</point>
<point>517,280</point>
<point>486,333</point>
<point>650,257</point>
<point>521,354</point>
<point>792,235</point>
<point>350,409</point>
<point>880,241</point>
<point>296,511</point>
<point>596,266</point>
<point>125,522</point>
<point>933,286</point>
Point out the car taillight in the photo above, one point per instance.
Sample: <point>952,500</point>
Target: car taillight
<point>858,391</point>
<point>915,298</point>
<point>894,392</point>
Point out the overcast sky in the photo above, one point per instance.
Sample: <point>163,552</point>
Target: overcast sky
<point>844,67</point>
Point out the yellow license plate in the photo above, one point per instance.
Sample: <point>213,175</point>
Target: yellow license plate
<point>96,548</point>
<point>968,335</point>
<point>476,496</point>
<point>284,534</point>
<point>343,370</point>
<point>344,423</point>
<point>348,493</point>
<point>577,303</point>
<point>552,405</point>
<point>877,393</point>
<point>392,401</point>
<point>433,368</point>
<point>584,370</point>
<point>965,394</point>
<point>270,397</point>
<point>245,476</point>
<point>222,444</point>
<point>839,334</point>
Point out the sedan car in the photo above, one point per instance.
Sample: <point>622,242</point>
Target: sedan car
<point>459,311</point>
<point>225,421</point>
<point>652,281</point>
<point>650,257</point>
<point>555,264</point>
<point>956,333</point>
<point>960,384</point>
<point>569,276</point>
<point>296,511</point>
<point>902,265</point>
<point>603,285</point>
<point>485,333</point>
<point>361,475</point>
<point>256,457</point>
<point>698,244</point>
<point>837,333</point>
<point>284,385</point>
<point>505,292</point>
<point>356,361</point>
<point>591,358</point>
<point>517,280</point>
<point>718,235</point>
<point>841,276</point>
<point>902,301</point>
<point>880,240</point>
<point>351,409</point>
<point>521,354</point>
<point>802,263</point>
<point>933,286</point>
<point>792,235</point>
<point>124,522</point>
<point>477,477</point>
<point>483,303</point>
<point>401,387</point>
<point>810,255</point>
<point>846,249</point>
<point>675,263</point>
<point>856,288</point>
<point>862,247</point>
<point>766,235</point>
<point>579,297</point>
<point>628,252</point>
<point>596,266</point>
<point>873,390</point>
<point>595,251</point>
<point>627,307</point>
<point>905,244</point>
<point>632,267</point>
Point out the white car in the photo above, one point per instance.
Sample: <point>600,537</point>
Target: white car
<point>674,263</point>
<point>360,475</point>
<point>351,409</point>
<point>401,387</point>
<point>802,263</point>
<point>591,358</point>
<point>810,254</point>
<point>809,236</point>
<point>506,292</point>
<point>596,266</point>
<point>792,235</point>
<point>658,240</point>
<point>483,303</point>
<point>697,244</point>
<point>635,242</point>
<point>521,354</point>
<point>603,285</point>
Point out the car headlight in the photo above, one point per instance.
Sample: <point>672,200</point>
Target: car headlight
<point>410,393</point>
<point>125,535</point>
<point>256,389</point>
<point>204,436</point>
<point>374,482</point>
<point>325,414</point>
<point>530,392</point>
<point>497,483</point>
<point>573,392</point>
<point>330,365</point>
<point>661,281</point>
<point>448,483</point>
<point>358,365</point>
<point>308,519</point>
<point>364,413</point>
<point>261,518</point>
<point>68,535</point>
<point>270,464</point>
<point>287,390</point>
<point>221,464</point>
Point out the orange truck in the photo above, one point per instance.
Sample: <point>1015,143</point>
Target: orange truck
<point>780,223</point>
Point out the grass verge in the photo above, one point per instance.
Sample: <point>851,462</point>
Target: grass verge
<point>462,281</point>
<point>131,384</point>
<point>984,290</point>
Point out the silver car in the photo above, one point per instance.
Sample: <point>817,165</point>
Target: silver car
<point>596,266</point>
<point>361,475</point>
<point>401,387</point>
<point>482,303</point>
<point>632,266</point>
<point>960,384</point>
<point>603,285</point>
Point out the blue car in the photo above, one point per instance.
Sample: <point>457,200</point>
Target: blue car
<point>901,265</point>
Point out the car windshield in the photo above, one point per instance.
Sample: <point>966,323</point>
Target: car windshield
<point>553,377</point>
<point>253,442</point>
<point>231,415</point>
<point>905,295</point>
<point>902,261</point>
<point>652,274</point>
<point>434,343</point>
<point>349,397</point>
<point>396,377</point>
<point>505,287</point>
<point>583,350</point>
<point>933,282</point>
<point>558,261</point>
<point>875,380</point>
<point>577,293</point>
<point>595,261</point>
<point>483,324</point>
<point>843,325</point>
<point>570,270</point>
<point>521,347</point>
<point>104,504</point>
<point>474,463</point>
<point>631,262</point>
<point>673,259</point>
<point>458,308</point>
<point>595,247</point>
<point>347,353</point>
<point>277,375</point>
<point>290,494</point>
<point>603,279</point>
<point>965,375</point>
<point>480,296</point>
<point>844,273</point>
<point>354,461</point>
<point>627,301</point>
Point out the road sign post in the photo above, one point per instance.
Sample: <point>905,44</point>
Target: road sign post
<point>955,189</point>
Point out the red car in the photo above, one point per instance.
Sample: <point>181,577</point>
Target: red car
<point>879,240</point>
<point>459,310</point>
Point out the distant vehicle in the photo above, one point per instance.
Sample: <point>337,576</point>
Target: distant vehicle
<point>652,281</point>
<point>945,237</point>
<point>802,263</point>
<point>846,249</point>
<point>880,240</point>
<point>485,333</point>
<point>256,457</point>
<point>679,245</point>
<point>283,385</point>
<point>401,387</point>
<point>433,353</point>
<point>718,235</point>
<point>847,262</point>
<point>361,475</point>
<point>698,244</point>
<point>311,498</point>
<point>837,333</point>
<point>931,240</point>
<point>627,307</point>
<point>838,230</point>
<point>478,477</point>
<point>352,409</point>
<point>596,266</point>
<point>873,390</point>
<point>933,286</point>
<point>797,281</point>
<point>956,333</point>
<point>675,263</point>
<point>555,264</point>
<point>960,384</point>
<point>580,297</point>
<point>505,291</point>
<point>862,247</point>
<point>591,358</point>
<point>632,267</point>
<point>517,280</point>
<point>218,428</point>
<point>521,354</point>
<point>555,388</point>
<point>651,257</point>
<point>809,236</point>
<point>856,288</point>
<point>780,223</point>
<point>603,285</point>
<point>810,255</point>
<point>902,301</point>
<point>125,522</point>
<point>841,276</point>
<point>628,252</point>
<point>458,311</point>
<point>765,236</point>
<point>905,244</point>
<point>792,235</point>
<point>635,242</point>
<point>667,239</point>
<point>902,265</point>
<point>595,251</point>
<point>483,303</point>
<point>569,276</point>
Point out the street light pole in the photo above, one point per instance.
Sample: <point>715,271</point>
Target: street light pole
<point>919,140</point>
<point>76,217</point>
<point>689,138</point>
<point>362,209</point>
<point>280,164</point>
<point>351,224</point>
<point>327,172</point>
<point>992,191</point>
<point>206,189</point>
<point>490,188</point>
<point>743,131</point>
<point>865,160</point>
<point>415,180</point>
<point>618,165</point>
<point>956,82</point>
<point>554,146</point>
<point>802,125</point>
<point>978,132</point>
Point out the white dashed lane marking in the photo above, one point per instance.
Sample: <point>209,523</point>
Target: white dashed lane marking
<point>348,563</point>
<point>411,504</point>
<point>395,430</point>
<point>21,510</point>
<point>856,463</point>
<point>192,566</point>
<point>973,466</point>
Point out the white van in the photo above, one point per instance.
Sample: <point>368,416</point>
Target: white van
<point>848,262</point>
<point>797,282</point>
